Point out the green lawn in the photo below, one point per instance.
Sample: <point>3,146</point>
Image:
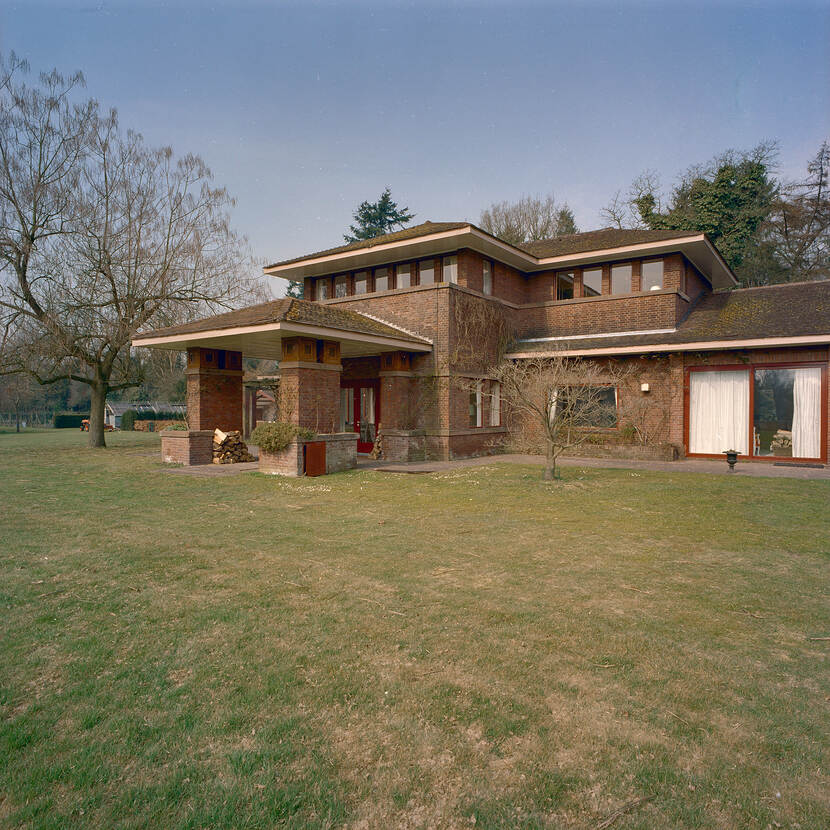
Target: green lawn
<point>382,651</point>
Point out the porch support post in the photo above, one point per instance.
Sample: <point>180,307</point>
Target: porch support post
<point>397,384</point>
<point>309,394</point>
<point>214,389</point>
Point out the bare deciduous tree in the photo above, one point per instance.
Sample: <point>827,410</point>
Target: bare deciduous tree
<point>100,236</point>
<point>530,219</point>
<point>798,228</point>
<point>557,400</point>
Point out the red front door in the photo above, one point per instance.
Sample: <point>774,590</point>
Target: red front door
<point>360,411</point>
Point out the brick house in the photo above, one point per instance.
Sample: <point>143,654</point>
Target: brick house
<point>390,324</point>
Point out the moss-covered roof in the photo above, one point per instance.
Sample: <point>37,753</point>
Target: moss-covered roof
<point>606,238</point>
<point>287,310</point>
<point>424,229</point>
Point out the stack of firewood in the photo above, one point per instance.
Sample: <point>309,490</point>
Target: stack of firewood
<point>229,448</point>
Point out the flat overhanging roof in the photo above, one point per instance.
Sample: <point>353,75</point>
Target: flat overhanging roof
<point>265,341</point>
<point>696,247</point>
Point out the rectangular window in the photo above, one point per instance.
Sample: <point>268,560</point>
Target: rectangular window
<point>495,403</point>
<point>475,405</point>
<point>341,285</point>
<point>651,275</point>
<point>718,412</point>
<point>592,282</point>
<point>381,279</point>
<point>361,282</point>
<point>321,290</point>
<point>621,279</point>
<point>450,268</point>
<point>565,286</point>
<point>786,421</point>
<point>588,407</point>
<point>426,272</point>
<point>487,277</point>
<point>403,276</point>
<point>763,411</point>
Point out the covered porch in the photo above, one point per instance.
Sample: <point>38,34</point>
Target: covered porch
<point>339,371</point>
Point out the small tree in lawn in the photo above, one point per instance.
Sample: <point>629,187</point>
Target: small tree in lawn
<point>558,399</point>
<point>377,218</point>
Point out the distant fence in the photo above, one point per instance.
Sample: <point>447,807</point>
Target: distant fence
<point>31,419</point>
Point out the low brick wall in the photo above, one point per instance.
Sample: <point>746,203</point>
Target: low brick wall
<point>341,454</point>
<point>403,445</point>
<point>190,447</point>
<point>632,452</point>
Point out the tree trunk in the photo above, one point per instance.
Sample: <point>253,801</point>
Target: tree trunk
<point>98,398</point>
<point>549,473</point>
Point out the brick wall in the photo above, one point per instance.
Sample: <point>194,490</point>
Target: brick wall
<point>596,315</point>
<point>341,454</point>
<point>214,399</point>
<point>310,396</point>
<point>188,447</point>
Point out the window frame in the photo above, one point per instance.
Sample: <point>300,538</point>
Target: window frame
<point>644,262</point>
<point>590,270</point>
<point>615,266</point>
<point>750,368</point>
<point>474,411</point>
<point>487,277</point>
<point>494,392</point>
<point>420,280</point>
<point>408,266</point>
<point>387,276</point>
<point>322,282</point>
<point>341,279</point>
<point>355,282</point>
<point>557,278</point>
<point>449,262</point>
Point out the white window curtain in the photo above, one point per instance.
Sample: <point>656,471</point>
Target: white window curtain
<point>719,412</point>
<point>495,403</point>
<point>807,413</point>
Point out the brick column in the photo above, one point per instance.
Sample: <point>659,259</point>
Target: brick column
<point>310,383</point>
<point>214,389</point>
<point>397,384</point>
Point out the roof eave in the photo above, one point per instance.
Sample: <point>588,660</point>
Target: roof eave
<point>265,340</point>
<point>697,248</point>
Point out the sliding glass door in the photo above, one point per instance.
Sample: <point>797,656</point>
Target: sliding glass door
<point>761,411</point>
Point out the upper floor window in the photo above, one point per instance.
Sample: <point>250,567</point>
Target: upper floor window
<point>381,279</point>
<point>592,282</point>
<point>565,285</point>
<point>450,268</point>
<point>651,278</point>
<point>426,272</point>
<point>322,289</point>
<point>403,276</point>
<point>341,285</point>
<point>487,277</point>
<point>621,278</point>
<point>361,282</point>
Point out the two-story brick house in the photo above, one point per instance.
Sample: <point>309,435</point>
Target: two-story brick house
<point>391,324</point>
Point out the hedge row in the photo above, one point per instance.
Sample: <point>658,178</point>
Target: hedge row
<point>66,420</point>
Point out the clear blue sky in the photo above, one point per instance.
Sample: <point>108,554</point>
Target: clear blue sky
<point>304,109</point>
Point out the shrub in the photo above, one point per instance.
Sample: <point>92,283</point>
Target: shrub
<point>181,425</point>
<point>128,420</point>
<point>275,436</point>
<point>66,420</point>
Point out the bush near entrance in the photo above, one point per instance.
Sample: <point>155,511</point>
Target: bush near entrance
<point>275,436</point>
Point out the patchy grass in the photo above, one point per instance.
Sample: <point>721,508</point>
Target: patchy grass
<point>379,651</point>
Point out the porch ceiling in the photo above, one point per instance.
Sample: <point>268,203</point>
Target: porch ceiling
<point>265,341</point>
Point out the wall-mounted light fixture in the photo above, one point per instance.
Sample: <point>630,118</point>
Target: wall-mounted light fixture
<point>644,387</point>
